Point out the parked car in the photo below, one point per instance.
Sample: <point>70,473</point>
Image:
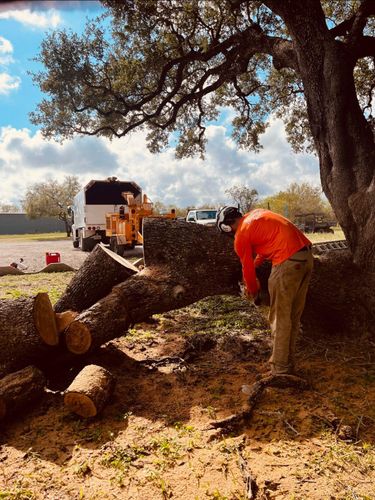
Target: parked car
<point>206,217</point>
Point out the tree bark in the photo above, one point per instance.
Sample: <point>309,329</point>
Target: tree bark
<point>89,392</point>
<point>27,328</point>
<point>20,389</point>
<point>101,270</point>
<point>184,263</point>
<point>343,137</point>
<point>340,299</point>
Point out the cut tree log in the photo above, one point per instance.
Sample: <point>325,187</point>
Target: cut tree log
<point>90,391</point>
<point>99,273</point>
<point>64,319</point>
<point>341,297</point>
<point>20,389</point>
<point>27,328</point>
<point>184,263</point>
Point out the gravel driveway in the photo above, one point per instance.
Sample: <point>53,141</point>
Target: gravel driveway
<point>34,253</point>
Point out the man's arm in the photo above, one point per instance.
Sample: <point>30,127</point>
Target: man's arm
<point>259,260</point>
<point>244,252</point>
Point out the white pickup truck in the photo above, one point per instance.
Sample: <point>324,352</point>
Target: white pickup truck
<point>206,217</point>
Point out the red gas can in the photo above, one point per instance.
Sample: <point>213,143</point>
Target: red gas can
<point>52,257</point>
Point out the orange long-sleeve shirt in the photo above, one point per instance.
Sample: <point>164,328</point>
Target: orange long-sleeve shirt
<point>268,236</point>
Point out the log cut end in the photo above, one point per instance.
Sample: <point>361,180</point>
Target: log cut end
<point>64,319</point>
<point>89,391</point>
<point>44,319</point>
<point>78,338</point>
<point>80,404</point>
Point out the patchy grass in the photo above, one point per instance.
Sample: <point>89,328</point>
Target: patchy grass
<point>33,237</point>
<point>322,237</point>
<point>27,285</point>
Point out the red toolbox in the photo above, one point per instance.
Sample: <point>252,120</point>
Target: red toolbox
<point>52,257</point>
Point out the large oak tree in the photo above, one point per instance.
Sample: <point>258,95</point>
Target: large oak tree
<point>171,66</point>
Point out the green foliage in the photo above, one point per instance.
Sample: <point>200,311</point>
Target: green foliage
<point>173,66</point>
<point>297,198</point>
<point>51,199</point>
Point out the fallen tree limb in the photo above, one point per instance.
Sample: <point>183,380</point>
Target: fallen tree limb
<point>100,272</point>
<point>236,422</point>
<point>20,389</point>
<point>176,275</point>
<point>27,328</point>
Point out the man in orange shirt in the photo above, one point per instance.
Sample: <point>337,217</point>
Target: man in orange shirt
<point>263,235</point>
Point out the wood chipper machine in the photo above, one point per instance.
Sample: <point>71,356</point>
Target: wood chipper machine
<point>124,227</point>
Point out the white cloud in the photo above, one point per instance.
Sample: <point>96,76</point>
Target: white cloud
<point>6,50</point>
<point>8,83</point>
<point>5,46</point>
<point>28,17</point>
<point>27,158</point>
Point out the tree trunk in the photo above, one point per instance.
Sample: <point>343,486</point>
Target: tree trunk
<point>340,299</point>
<point>343,138</point>
<point>101,270</point>
<point>20,389</point>
<point>27,328</point>
<point>89,392</point>
<point>184,263</point>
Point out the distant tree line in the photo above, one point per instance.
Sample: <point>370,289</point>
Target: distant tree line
<point>297,198</point>
<point>53,199</point>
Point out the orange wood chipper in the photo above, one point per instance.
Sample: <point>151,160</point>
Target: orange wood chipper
<point>124,228</point>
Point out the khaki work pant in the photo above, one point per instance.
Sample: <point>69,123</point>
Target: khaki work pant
<point>288,284</point>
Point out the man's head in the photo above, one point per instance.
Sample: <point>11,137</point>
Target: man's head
<point>227,219</point>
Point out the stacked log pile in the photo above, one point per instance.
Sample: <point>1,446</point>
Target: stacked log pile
<point>183,263</point>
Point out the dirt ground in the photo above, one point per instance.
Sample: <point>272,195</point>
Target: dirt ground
<point>177,375</point>
<point>34,252</point>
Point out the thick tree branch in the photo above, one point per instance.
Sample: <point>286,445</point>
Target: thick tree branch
<point>355,24</point>
<point>237,50</point>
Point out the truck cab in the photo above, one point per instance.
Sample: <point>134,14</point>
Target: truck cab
<point>203,216</point>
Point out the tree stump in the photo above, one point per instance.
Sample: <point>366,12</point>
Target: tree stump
<point>102,270</point>
<point>27,327</point>
<point>20,389</point>
<point>89,392</point>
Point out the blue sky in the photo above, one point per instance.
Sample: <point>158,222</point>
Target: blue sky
<point>26,39</point>
<point>25,157</point>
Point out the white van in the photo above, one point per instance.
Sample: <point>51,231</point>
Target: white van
<point>206,217</point>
